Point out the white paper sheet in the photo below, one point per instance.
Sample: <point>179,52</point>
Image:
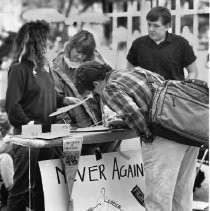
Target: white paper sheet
<point>69,107</point>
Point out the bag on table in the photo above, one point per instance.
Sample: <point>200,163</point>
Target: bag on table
<point>180,112</point>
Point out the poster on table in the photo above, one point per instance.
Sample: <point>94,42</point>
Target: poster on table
<point>115,182</point>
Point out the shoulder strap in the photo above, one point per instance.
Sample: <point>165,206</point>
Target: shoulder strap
<point>198,82</point>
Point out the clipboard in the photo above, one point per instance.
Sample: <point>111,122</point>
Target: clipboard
<point>69,107</point>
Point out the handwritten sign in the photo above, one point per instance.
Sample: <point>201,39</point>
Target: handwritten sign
<point>71,150</point>
<point>111,183</point>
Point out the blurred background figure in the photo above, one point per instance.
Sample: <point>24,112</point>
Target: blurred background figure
<point>58,45</point>
<point>53,48</point>
<point>119,43</point>
<point>186,33</point>
<point>6,161</point>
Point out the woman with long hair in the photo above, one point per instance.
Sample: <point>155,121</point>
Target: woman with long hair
<point>30,97</point>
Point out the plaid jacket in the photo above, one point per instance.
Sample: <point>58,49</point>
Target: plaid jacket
<point>127,93</point>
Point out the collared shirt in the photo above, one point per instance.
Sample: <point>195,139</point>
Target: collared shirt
<point>96,57</point>
<point>71,64</point>
<point>128,94</point>
<point>167,58</point>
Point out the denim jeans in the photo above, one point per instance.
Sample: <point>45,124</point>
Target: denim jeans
<point>170,170</point>
<point>19,194</point>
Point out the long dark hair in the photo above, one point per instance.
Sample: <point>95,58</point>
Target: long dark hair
<point>31,42</point>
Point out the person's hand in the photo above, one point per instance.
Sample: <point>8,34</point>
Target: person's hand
<point>117,124</point>
<point>31,123</point>
<point>71,100</point>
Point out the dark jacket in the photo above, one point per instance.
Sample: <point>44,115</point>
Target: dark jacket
<point>30,95</point>
<point>64,79</point>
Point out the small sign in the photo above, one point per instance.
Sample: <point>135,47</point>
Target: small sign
<point>31,130</point>
<point>63,129</point>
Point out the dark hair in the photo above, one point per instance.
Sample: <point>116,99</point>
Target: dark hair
<point>159,12</point>
<point>32,37</point>
<point>89,72</point>
<point>84,42</point>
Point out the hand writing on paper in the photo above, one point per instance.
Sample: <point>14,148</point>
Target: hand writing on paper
<point>71,100</point>
<point>117,123</point>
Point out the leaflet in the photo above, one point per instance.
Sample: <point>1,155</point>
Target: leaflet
<point>69,107</point>
<point>71,150</point>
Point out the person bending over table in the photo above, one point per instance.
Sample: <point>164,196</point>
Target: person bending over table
<point>169,166</point>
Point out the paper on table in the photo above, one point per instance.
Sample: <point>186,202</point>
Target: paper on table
<point>99,128</point>
<point>47,136</point>
<point>69,107</point>
<point>92,129</point>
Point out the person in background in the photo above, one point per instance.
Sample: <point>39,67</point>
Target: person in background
<point>168,165</point>
<point>30,97</point>
<point>6,161</point>
<point>80,48</point>
<point>162,52</point>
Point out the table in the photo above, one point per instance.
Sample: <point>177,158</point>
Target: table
<point>88,138</point>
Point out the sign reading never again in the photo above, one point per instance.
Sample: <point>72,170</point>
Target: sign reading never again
<point>112,183</point>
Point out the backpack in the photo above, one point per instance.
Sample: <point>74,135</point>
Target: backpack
<point>180,111</point>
